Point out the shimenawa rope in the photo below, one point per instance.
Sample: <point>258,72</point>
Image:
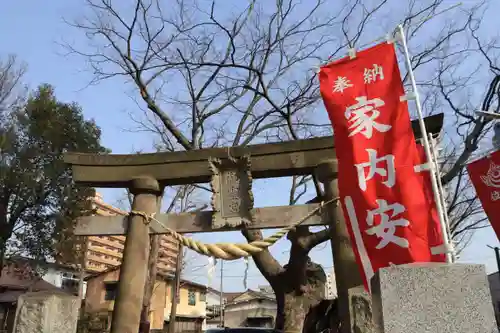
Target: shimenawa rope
<point>230,251</point>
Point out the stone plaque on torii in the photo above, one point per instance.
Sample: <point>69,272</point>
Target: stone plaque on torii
<point>147,174</point>
<point>232,197</point>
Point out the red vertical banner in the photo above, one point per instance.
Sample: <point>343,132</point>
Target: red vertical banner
<point>384,194</point>
<point>435,236</point>
<point>485,176</point>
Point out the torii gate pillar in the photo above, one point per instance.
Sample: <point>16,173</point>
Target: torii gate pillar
<point>347,274</point>
<point>134,267</point>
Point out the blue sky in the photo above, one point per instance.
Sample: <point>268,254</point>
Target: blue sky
<point>32,30</point>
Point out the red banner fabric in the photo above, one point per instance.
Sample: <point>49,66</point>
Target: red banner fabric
<point>485,176</point>
<point>384,194</point>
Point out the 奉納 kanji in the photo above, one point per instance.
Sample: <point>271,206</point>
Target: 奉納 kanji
<point>341,84</point>
<point>372,74</point>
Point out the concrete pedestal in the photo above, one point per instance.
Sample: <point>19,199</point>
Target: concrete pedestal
<point>46,312</point>
<point>360,311</point>
<point>444,298</point>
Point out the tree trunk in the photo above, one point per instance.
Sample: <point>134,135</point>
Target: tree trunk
<point>175,290</point>
<point>302,313</point>
<point>294,301</point>
<point>298,286</point>
<point>295,309</point>
<point>154,245</point>
<point>150,283</point>
<point>322,317</point>
<point>2,255</point>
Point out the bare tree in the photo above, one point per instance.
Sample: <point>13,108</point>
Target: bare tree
<point>11,73</point>
<point>212,76</point>
<point>12,92</point>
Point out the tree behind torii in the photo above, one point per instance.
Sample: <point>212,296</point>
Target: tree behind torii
<point>212,77</point>
<point>38,200</point>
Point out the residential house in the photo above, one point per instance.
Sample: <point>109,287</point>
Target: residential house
<point>330,285</point>
<point>213,303</point>
<point>266,290</point>
<point>17,278</point>
<point>66,277</point>
<point>213,319</point>
<point>250,309</point>
<point>191,306</point>
<point>62,276</point>
<point>214,307</point>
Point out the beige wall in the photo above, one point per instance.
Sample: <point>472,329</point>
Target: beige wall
<point>160,301</point>
<point>95,302</point>
<point>94,297</point>
<point>160,293</point>
<point>183,307</point>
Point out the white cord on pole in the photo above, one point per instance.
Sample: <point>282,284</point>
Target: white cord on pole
<point>443,199</point>
<point>425,140</point>
<point>210,271</point>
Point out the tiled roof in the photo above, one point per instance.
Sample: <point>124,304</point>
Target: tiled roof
<point>231,296</point>
<point>19,276</point>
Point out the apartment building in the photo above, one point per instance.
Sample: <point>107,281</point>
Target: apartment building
<point>330,285</point>
<point>105,252</point>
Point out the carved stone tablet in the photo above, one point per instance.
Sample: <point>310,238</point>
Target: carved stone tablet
<point>232,198</point>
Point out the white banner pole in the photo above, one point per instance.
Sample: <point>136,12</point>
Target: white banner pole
<point>425,140</point>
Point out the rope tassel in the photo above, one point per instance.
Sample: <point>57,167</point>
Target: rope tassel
<point>245,276</point>
<point>230,251</point>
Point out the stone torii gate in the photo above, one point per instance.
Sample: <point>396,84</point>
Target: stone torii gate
<point>146,175</point>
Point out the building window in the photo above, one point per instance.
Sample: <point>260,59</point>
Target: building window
<point>203,296</point>
<point>191,297</point>
<point>111,289</point>
<point>70,284</point>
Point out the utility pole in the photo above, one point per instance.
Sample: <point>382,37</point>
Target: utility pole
<point>221,294</point>
<point>175,290</point>
<point>497,255</point>
<point>82,269</point>
<point>81,282</point>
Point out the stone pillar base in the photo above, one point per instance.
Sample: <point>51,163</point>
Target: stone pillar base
<point>433,297</point>
<point>360,311</point>
<point>46,312</point>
